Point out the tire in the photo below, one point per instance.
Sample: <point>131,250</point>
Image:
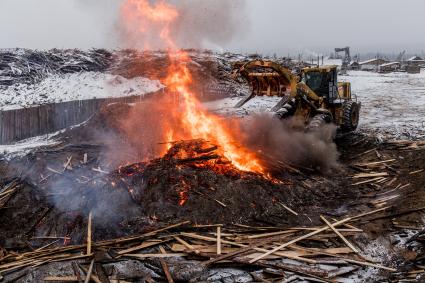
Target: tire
<point>282,114</point>
<point>350,119</point>
<point>317,122</point>
<point>317,126</point>
<point>286,111</point>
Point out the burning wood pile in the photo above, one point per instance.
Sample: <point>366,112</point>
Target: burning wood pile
<point>195,180</point>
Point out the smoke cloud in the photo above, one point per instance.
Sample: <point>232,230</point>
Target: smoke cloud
<point>199,24</point>
<point>211,23</point>
<point>287,141</point>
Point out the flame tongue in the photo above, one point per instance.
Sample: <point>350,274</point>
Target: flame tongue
<point>192,121</point>
<point>202,124</point>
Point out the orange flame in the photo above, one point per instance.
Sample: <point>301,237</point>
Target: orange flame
<point>194,120</point>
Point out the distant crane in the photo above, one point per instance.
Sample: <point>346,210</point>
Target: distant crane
<point>400,56</point>
<point>346,60</point>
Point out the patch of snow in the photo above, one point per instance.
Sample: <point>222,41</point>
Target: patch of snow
<point>77,86</point>
<point>24,147</point>
<point>393,103</point>
<point>376,251</point>
<point>226,106</point>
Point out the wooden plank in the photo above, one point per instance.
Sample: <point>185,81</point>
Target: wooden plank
<point>89,234</point>
<point>144,256</point>
<point>288,209</point>
<point>367,181</point>
<point>140,247</point>
<point>219,240</point>
<point>165,266</point>
<point>339,234</point>
<point>89,272</point>
<point>370,175</point>
<point>376,163</point>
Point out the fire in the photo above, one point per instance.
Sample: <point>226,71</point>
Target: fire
<point>194,121</point>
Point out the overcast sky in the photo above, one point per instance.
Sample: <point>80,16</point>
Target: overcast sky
<point>266,26</point>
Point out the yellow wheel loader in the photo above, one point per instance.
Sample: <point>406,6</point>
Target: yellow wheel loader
<point>313,95</point>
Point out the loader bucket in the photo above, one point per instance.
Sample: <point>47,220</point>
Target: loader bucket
<point>267,78</point>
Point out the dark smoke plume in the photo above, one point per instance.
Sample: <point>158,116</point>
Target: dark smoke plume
<point>285,141</point>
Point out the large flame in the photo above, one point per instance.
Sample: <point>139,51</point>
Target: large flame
<point>193,119</point>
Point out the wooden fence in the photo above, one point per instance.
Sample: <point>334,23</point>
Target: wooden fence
<point>19,124</point>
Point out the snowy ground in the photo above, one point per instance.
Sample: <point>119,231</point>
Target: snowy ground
<point>24,147</point>
<point>77,86</point>
<point>393,104</point>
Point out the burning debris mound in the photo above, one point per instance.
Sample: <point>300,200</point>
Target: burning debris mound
<point>194,181</point>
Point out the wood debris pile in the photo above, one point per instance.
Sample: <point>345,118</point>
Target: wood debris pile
<point>194,180</point>
<point>28,67</point>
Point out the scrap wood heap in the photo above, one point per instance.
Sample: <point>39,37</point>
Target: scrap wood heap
<point>265,250</point>
<point>389,176</point>
<point>27,66</point>
<point>195,181</point>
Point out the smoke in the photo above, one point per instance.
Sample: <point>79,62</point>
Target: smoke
<point>198,24</point>
<point>204,24</point>
<point>287,142</point>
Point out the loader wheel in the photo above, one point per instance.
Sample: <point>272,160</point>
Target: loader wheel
<point>350,120</point>
<point>317,122</point>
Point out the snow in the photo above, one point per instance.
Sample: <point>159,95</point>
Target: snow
<point>368,61</point>
<point>24,147</point>
<point>390,64</point>
<point>77,86</point>
<point>393,103</point>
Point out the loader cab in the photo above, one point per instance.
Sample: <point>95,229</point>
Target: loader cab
<point>323,81</point>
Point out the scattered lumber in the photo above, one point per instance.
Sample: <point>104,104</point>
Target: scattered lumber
<point>165,266</point>
<point>369,175</point>
<point>89,234</point>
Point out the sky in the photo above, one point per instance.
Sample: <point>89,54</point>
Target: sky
<point>264,26</point>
